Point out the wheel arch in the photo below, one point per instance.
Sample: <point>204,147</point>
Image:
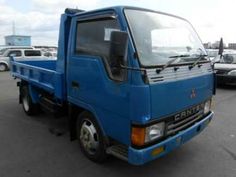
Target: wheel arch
<point>74,111</point>
<point>32,91</point>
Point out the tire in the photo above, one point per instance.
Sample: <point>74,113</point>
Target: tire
<point>3,67</point>
<point>90,138</point>
<point>28,106</point>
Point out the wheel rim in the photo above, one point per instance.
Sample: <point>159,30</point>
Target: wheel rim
<point>89,137</point>
<point>2,67</point>
<point>25,103</point>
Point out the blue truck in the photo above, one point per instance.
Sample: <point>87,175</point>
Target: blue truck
<point>135,83</point>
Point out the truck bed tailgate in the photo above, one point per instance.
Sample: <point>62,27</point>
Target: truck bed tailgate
<point>40,73</point>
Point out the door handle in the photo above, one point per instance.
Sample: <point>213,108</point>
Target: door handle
<point>75,84</point>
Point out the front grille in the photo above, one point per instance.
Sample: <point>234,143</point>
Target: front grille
<point>175,126</point>
<point>170,74</point>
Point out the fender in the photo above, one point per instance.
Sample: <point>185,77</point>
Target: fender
<point>76,106</point>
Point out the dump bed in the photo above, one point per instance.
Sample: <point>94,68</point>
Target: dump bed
<point>40,73</point>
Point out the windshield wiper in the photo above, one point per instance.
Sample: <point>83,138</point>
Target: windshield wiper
<point>201,56</point>
<point>175,57</point>
<point>179,56</point>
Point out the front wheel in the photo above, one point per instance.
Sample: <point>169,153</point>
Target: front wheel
<point>3,67</point>
<point>90,137</point>
<point>28,106</point>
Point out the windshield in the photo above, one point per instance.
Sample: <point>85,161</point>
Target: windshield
<point>212,53</point>
<point>159,37</point>
<point>3,50</point>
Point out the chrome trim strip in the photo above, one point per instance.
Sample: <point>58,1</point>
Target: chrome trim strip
<point>183,126</point>
<point>176,124</point>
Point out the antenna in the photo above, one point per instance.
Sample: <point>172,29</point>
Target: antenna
<point>13,28</point>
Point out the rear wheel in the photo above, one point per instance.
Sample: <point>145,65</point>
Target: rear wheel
<point>3,67</point>
<point>28,106</point>
<point>90,137</point>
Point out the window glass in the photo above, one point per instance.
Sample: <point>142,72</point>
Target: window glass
<point>15,53</point>
<point>229,58</point>
<point>47,54</point>
<point>3,50</point>
<point>32,53</point>
<point>162,37</point>
<point>93,38</point>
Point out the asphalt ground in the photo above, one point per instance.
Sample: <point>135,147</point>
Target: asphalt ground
<point>29,147</point>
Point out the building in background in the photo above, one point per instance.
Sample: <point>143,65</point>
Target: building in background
<point>214,45</point>
<point>18,40</point>
<point>232,46</point>
<point>46,48</point>
<point>207,45</point>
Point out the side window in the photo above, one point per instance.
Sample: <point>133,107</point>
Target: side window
<point>32,53</point>
<point>93,38</point>
<point>16,53</point>
<point>47,54</point>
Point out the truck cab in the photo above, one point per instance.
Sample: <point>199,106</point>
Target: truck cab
<point>137,83</point>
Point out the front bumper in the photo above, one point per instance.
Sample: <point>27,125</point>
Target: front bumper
<point>141,156</point>
<point>225,79</point>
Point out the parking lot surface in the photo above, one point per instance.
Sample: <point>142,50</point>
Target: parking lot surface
<point>29,148</point>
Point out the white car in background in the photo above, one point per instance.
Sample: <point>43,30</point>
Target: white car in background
<point>212,53</point>
<point>3,49</point>
<point>225,68</point>
<point>19,54</point>
<point>51,55</point>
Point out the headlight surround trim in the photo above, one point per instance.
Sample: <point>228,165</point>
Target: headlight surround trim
<point>207,107</point>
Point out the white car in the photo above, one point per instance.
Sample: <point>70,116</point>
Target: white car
<point>52,55</point>
<point>212,53</point>
<point>225,68</point>
<point>19,54</point>
<point>3,49</point>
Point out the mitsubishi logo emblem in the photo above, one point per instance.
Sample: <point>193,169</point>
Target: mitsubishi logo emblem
<point>193,94</point>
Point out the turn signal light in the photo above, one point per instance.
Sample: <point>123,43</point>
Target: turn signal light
<point>138,136</point>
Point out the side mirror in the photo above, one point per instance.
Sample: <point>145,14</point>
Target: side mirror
<point>118,48</point>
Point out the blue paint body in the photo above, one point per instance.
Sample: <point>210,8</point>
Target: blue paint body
<point>115,105</point>
<point>139,157</point>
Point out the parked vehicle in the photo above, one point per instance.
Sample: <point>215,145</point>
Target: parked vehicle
<point>136,82</point>
<point>19,54</point>
<point>52,55</point>
<point>225,69</point>
<point>212,53</point>
<point>5,48</point>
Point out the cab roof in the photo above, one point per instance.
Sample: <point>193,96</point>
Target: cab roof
<point>76,12</point>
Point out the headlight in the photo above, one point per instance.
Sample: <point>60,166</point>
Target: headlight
<point>232,73</point>
<point>207,107</point>
<point>143,135</point>
<point>154,132</point>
